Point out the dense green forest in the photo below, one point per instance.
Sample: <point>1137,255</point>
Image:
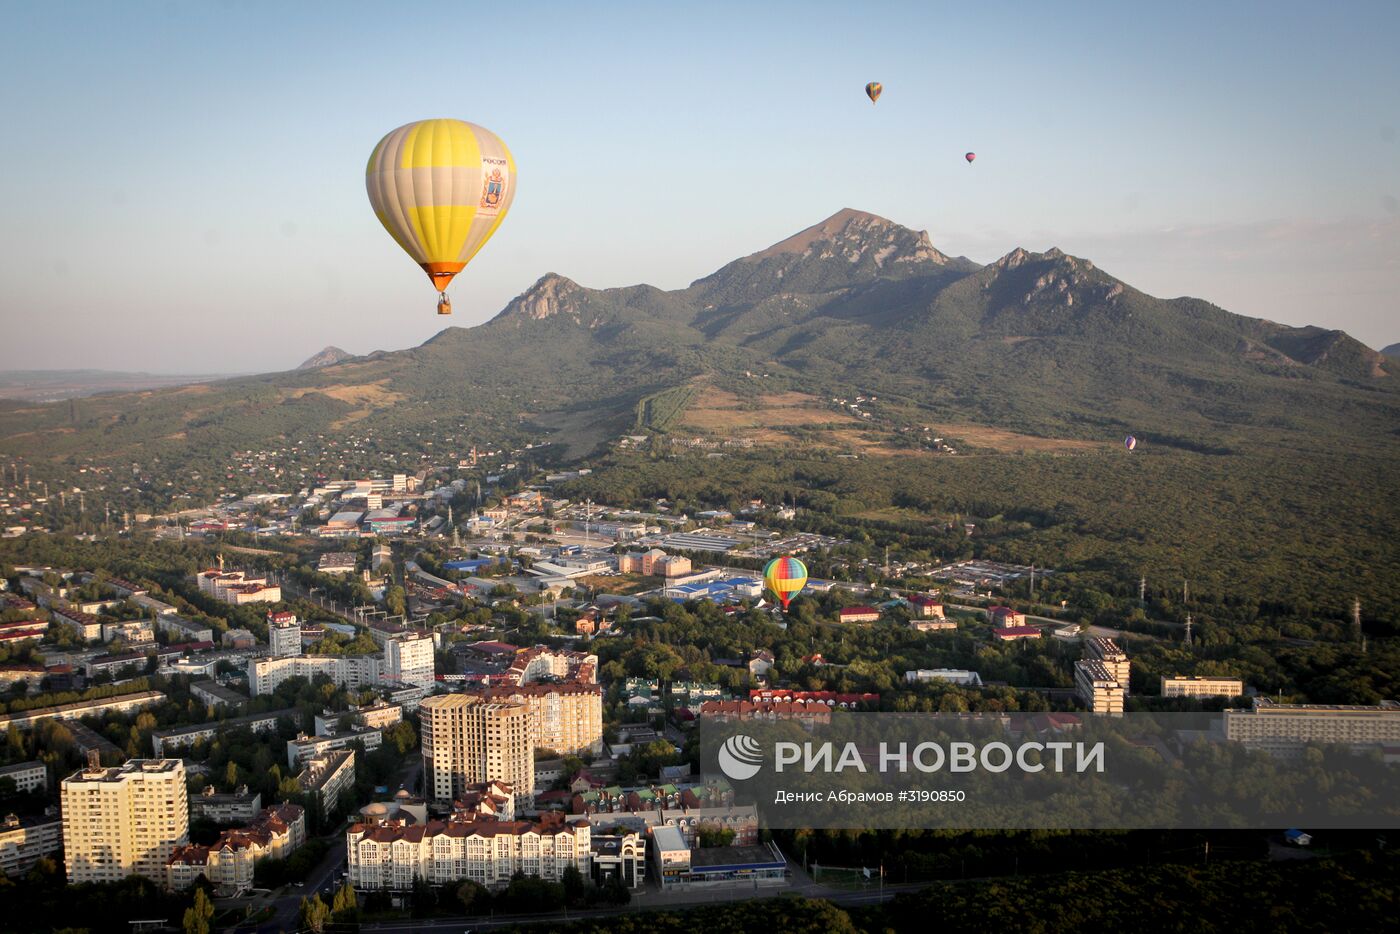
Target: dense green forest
<point>1352,893</point>
<point>1277,538</point>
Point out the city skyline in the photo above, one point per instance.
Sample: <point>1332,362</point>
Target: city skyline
<point>202,168</point>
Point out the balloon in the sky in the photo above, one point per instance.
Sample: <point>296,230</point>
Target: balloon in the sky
<point>970,156</point>
<point>1130,442</point>
<point>784,577</point>
<point>441,188</point>
<point>873,90</point>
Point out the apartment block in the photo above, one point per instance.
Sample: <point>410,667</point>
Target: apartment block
<point>1285,729</point>
<point>1111,656</point>
<point>304,747</point>
<point>284,634</point>
<point>228,862</point>
<point>392,855</point>
<point>181,737</point>
<point>468,739</point>
<point>26,840</point>
<point>353,671</point>
<point>27,776</point>
<point>567,718</point>
<point>124,820</point>
<point>327,775</point>
<point>1097,688</point>
<point>1201,686</point>
<point>408,658</point>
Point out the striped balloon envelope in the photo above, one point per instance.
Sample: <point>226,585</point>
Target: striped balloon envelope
<point>873,90</point>
<point>441,188</point>
<point>784,577</point>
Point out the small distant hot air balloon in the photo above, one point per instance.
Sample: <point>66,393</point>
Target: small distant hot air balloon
<point>970,156</point>
<point>441,188</point>
<point>873,90</point>
<point>1130,442</point>
<point>784,577</point>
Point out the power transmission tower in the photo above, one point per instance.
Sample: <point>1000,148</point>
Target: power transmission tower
<point>1188,629</point>
<point>1142,590</point>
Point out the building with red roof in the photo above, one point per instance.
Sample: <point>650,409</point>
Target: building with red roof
<point>392,855</point>
<point>1012,633</point>
<point>1004,617</point>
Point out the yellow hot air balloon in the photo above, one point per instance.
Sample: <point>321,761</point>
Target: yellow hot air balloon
<point>441,188</point>
<point>873,90</point>
<point>785,577</point>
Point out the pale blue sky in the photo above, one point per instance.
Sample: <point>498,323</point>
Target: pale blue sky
<point>183,183</point>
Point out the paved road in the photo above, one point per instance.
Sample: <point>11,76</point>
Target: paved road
<point>651,901</point>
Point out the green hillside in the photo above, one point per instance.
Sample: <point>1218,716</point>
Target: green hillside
<point>1040,343</point>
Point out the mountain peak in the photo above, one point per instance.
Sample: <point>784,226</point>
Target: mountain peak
<point>330,356</point>
<point>850,234</point>
<point>1054,255</point>
<point>551,295</point>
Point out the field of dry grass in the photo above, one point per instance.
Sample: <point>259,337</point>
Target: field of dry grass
<point>794,418</point>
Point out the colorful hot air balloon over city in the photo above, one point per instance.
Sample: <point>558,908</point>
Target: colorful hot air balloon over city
<point>1130,442</point>
<point>784,577</point>
<point>873,90</point>
<point>441,188</point>
<point>970,156</point>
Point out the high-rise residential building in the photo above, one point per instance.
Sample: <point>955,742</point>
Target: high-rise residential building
<point>284,634</point>
<point>567,718</point>
<point>1285,729</point>
<point>1201,686</point>
<point>408,658</point>
<point>469,739</point>
<point>124,819</point>
<point>1111,656</point>
<point>1097,688</point>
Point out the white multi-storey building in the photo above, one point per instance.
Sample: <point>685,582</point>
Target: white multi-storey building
<point>124,820</point>
<point>353,671</point>
<point>25,840</point>
<point>391,855</point>
<point>284,634</point>
<point>1097,688</point>
<point>1107,652</point>
<point>27,776</point>
<point>1201,686</point>
<point>408,658</point>
<point>1284,729</point>
<point>305,748</point>
<point>327,775</point>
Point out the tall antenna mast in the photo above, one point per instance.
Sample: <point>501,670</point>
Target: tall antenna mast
<point>1142,589</point>
<point>1356,622</point>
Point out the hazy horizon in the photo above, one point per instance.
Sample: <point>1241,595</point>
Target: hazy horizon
<point>186,194</point>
